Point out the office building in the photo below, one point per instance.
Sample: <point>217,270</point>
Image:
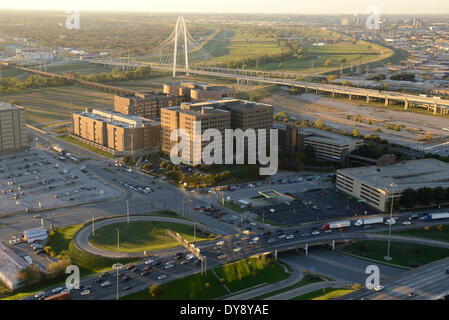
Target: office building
<point>197,92</point>
<point>147,105</point>
<point>116,133</point>
<point>376,186</point>
<point>13,136</point>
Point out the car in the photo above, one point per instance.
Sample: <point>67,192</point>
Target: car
<point>85,293</point>
<point>144,273</point>
<point>131,267</point>
<point>148,268</point>
<point>237,249</point>
<point>290,236</point>
<point>412,294</point>
<point>378,288</point>
<point>39,295</point>
<point>220,243</point>
<point>57,290</point>
<point>39,251</point>
<point>328,231</point>
<point>282,236</point>
<point>125,278</point>
<point>149,261</point>
<point>406,223</point>
<point>169,266</point>
<point>106,284</point>
<point>222,256</point>
<point>447,271</point>
<point>162,277</point>
<point>104,275</point>
<point>315,233</point>
<point>127,288</point>
<point>185,261</point>
<point>271,240</point>
<point>37,216</point>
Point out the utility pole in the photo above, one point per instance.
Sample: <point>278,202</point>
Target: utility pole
<point>194,232</point>
<point>118,239</point>
<point>127,211</point>
<point>93,225</point>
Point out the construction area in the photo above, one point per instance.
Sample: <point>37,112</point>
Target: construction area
<point>36,179</point>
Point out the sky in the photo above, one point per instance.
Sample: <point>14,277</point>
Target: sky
<point>238,6</point>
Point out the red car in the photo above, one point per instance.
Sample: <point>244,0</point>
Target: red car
<point>131,267</point>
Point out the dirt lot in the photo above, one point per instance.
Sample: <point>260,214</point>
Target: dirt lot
<point>38,180</point>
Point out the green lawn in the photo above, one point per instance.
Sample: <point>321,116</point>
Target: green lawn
<point>403,253</point>
<point>432,233</point>
<point>308,279</point>
<point>48,105</point>
<point>138,236</point>
<point>86,146</point>
<point>326,294</point>
<point>236,276</point>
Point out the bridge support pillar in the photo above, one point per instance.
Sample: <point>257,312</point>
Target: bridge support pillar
<point>333,245</point>
<point>350,96</point>
<point>333,94</point>
<point>306,247</point>
<point>386,102</point>
<point>405,104</point>
<point>435,108</point>
<point>368,99</point>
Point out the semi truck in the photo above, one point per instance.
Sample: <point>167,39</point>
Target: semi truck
<point>436,216</point>
<point>336,225</point>
<point>364,222</point>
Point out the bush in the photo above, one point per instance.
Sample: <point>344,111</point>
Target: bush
<point>155,291</point>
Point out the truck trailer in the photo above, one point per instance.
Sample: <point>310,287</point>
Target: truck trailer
<point>364,222</point>
<point>436,216</point>
<point>336,225</point>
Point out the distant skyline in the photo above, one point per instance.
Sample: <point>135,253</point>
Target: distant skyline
<point>238,6</point>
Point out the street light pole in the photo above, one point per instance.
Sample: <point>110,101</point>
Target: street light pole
<point>118,239</point>
<point>388,257</point>
<point>117,266</point>
<point>127,211</point>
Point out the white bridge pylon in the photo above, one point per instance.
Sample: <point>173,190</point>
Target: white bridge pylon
<point>180,51</point>
<point>175,51</point>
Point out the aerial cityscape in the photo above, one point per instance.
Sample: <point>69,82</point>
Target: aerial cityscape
<point>209,152</point>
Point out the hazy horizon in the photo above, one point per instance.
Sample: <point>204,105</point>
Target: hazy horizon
<point>295,7</point>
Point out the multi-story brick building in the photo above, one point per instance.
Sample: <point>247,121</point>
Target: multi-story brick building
<point>115,132</point>
<point>13,136</point>
<point>147,105</point>
<point>197,92</point>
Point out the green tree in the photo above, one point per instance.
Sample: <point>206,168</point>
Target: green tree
<point>29,275</point>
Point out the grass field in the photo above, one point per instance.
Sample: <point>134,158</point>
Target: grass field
<point>432,233</point>
<point>83,68</point>
<point>403,253</point>
<point>308,279</point>
<point>326,294</point>
<point>138,236</point>
<point>236,276</point>
<point>44,106</point>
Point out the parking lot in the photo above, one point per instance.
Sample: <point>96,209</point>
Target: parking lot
<point>310,206</point>
<point>37,179</point>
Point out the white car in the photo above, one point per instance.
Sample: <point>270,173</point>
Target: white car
<point>282,236</point>
<point>237,249</point>
<point>149,261</point>
<point>162,277</point>
<point>358,222</point>
<point>190,256</point>
<point>253,224</point>
<point>57,290</point>
<point>169,266</point>
<point>328,231</point>
<point>271,240</point>
<point>315,233</point>
<point>220,243</point>
<point>378,288</point>
<point>406,223</point>
<point>290,236</point>
<point>85,292</point>
<point>106,284</point>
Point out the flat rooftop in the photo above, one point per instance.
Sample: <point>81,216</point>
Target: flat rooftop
<point>4,106</point>
<point>116,118</point>
<point>10,263</point>
<point>429,173</point>
<point>326,136</point>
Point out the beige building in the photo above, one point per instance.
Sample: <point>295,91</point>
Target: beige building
<point>146,105</point>
<point>10,266</point>
<point>221,115</point>
<point>197,92</point>
<point>184,116</point>
<point>13,136</point>
<point>377,185</point>
<point>115,132</point>
<point>328,146</point>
